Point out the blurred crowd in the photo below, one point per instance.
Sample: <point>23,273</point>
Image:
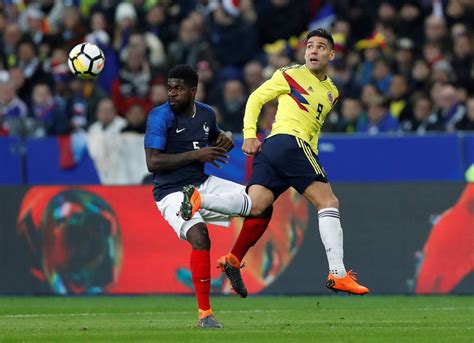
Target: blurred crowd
<point>400,66</point>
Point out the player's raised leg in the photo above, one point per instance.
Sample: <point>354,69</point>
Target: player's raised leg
<point>252,229</point>
<point>227,203</point>
<point>322,197</point>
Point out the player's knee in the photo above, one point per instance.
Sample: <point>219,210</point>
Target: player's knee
<point>332,202</point>
<point>329,202</point>
<point>258,210</point>
<point>258,213</point>
<point>198,237</point>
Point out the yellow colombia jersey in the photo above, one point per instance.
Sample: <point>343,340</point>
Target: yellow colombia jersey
<point>303,103</point>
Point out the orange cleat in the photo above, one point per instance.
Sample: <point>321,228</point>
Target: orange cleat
<point>347,284</point>
<point>230,265</point>
<point>191,202</point>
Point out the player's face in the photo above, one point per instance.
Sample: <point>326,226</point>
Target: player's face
<point>180,95</point>
<point>318,53</point>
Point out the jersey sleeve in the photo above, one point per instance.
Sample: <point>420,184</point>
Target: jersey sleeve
<point>157,126</point>
<point>269,90</point>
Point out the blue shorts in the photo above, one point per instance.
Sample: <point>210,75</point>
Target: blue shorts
<point>286,161</point>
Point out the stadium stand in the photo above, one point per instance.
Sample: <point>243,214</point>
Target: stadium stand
<point>409,62</point>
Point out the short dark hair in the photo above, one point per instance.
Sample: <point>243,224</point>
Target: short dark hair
<point>321,33</point>
<point>184,72</point>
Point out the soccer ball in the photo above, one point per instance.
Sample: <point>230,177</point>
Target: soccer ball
<point>86,60</point>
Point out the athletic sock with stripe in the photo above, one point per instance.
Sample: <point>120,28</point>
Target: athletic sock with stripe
<point>331,234</point>
<point>230,203</point>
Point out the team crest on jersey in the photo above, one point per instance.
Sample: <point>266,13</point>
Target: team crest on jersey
<point>330,97</point>
<point>205,127</point>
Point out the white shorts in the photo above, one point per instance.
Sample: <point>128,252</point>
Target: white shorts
<point>170,204</point>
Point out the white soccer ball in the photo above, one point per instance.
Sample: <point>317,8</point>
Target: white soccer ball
<point>86,60</point>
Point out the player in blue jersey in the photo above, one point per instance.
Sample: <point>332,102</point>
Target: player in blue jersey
<point>181,136</point>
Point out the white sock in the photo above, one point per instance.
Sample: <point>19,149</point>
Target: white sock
<point>331,234</point>
<point>232,204</point>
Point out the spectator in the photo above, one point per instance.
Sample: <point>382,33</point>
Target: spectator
<point>379,119</point>
<point>442,72</point>
<point>459,10</point>
<point>108,121</point>
<point>157,23</point>
<point>344,78</point>
<point>136,119</point>
<point>299,51</point>
<point>13,110</point>
<point>404,56</point>
<point>149,43</point>
<point>227,27</point>
<point>11,106</point>
<point>48,118</point>
<point>100,37</point>
<point>420,75</point>
<point>368,93</point>
<point>232,106</point>
<point>190,48</point>
<point>410,24</point>
<point>29,64</point>
<point>387,13</point>
<point>108,8</point>
<point>399,104</point>
<point>133,82</point>
<point>467,122</point>
<point>451,111</point>
<point>59,70</point>
<point>463,60</point>
<point>208,87</point>
<point>382,76</point>
<point>201,94</point>
<point>366,67</point>
<point>125,23</point>
<point>11,37</point>
<point>82,103</point>
<point>158,94</point>
<point>253,75</point>
<point>36,27</point>
<point>349,118</point>
<point>277,57</point>
<point>432,53</point>
<point>423,119</point>
<point>98,22</point>
<point>435,31</point>
<point>273,23</point>
<point>73,28</point>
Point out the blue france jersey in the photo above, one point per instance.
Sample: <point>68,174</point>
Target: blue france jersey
<point>174,134</point>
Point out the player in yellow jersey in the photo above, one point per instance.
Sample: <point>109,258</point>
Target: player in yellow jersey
<point>287,158</point>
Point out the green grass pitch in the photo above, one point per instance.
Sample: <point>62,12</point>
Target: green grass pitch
<point>255,319</point>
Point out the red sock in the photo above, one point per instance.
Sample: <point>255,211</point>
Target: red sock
<point>252,230</point>
<point>200,263</point>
